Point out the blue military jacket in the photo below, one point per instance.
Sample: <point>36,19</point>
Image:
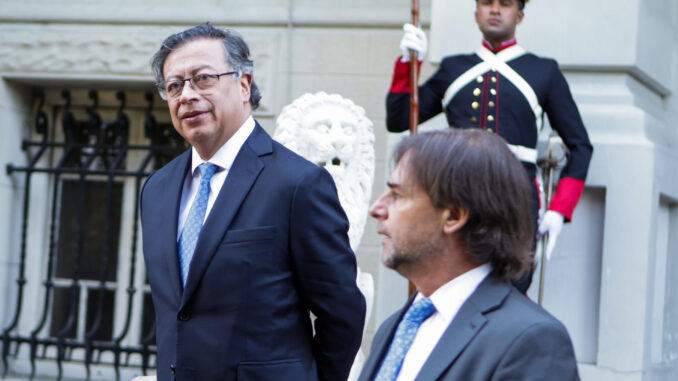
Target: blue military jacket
<point>493,91</point>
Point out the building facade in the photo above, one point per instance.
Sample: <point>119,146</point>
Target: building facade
<point>72,276</point>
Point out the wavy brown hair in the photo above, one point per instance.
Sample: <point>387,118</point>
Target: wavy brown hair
<point>474,170</point>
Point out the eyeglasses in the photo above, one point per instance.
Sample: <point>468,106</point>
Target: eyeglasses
<point>174,88</point>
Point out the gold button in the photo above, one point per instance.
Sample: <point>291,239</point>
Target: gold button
<point>489,130</point>
<point>493,91</point>
<point>476,92</point>
<point>479,79</point>
<point>475,105</point>
<point>493,79</point>
<point>490,103</point>
<point>490,118</point>
<point>474,119</point>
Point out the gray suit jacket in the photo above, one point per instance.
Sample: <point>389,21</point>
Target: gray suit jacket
<point>498,334</point>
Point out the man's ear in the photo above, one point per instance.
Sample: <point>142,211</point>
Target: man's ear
<point>245,82</point>
<point>454,219</point>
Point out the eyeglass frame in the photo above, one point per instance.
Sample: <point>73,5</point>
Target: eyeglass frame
<point>162,86</point>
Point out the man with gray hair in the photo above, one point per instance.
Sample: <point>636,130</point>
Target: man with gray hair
<point>243,239</point>
<point>456,222</point>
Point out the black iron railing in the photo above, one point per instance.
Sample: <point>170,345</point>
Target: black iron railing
<point>90,149</point>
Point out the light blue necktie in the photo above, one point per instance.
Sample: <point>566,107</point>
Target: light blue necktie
<point>404,336</point>
<point>189,236</point>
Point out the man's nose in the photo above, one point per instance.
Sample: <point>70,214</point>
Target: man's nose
<point>188,94</point>
<point>378,207</point>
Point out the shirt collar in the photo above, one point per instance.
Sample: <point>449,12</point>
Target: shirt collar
<point>504,45</point>
<point>225,155</point>
<point>449,297</point>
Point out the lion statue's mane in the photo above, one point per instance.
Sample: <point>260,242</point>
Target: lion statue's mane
<point>346,152</point>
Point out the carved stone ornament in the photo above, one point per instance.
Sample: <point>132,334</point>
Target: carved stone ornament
<point>98,52</point>
<point>334,133</point>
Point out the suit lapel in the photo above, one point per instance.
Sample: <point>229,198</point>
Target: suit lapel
<point>382,343</point>
<point>173,183</point>
<point>470,320</point>
<point>240,178</point>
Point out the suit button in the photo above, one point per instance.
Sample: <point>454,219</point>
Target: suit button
<point>173,368</point>
<point>184,316</point>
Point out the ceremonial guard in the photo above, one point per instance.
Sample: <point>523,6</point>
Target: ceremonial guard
<point>503,89</point>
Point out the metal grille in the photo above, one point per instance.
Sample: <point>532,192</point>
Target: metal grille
<point>87,303</point>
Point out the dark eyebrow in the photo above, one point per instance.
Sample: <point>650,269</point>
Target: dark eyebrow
<point>197,69</point>
<point>392,184</point>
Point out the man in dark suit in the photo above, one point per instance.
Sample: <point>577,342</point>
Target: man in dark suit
<point>457,223</point>
<point>243,239</point>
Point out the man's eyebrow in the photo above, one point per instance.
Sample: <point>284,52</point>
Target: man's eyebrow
<point>391,184</point>
<point>193,71</point>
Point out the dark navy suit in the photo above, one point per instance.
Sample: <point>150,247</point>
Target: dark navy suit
<point>273,248</point>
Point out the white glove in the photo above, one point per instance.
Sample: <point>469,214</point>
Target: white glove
<point>551,222</point>
<point>413,39</point>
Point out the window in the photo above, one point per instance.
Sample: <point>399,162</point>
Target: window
<point>88,155</point>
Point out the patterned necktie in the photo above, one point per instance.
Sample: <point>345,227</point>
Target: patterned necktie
<point>404,336</point>
<point>196,216</point>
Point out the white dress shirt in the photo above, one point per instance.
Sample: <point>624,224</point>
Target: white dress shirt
<point>447,299</point>
<point>223,159</point>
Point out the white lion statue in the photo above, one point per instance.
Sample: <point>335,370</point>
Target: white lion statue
<point>333,132</point>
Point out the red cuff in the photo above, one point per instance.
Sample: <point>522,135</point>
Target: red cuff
<point>401,76</point>
<point>567,196</point>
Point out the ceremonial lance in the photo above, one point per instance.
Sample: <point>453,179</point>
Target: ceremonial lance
<point>414,76</point>
<point>414,92</point>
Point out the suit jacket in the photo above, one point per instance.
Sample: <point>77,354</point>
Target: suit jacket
<point>498,334</point>
<point>273,248</point>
